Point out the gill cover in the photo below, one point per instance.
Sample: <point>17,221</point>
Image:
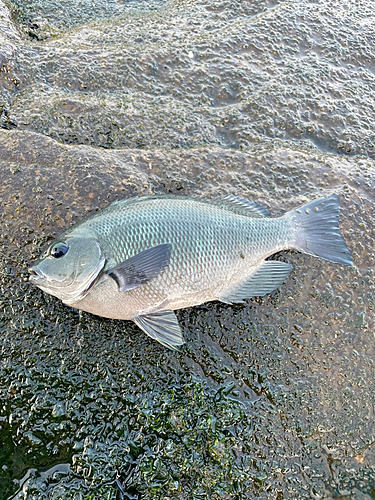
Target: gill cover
<point>69,267</point>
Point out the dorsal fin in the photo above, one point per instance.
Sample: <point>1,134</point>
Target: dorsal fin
<point>240,206</point>
<point>230,203</point>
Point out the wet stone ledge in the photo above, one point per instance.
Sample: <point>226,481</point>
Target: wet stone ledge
<point>261,400</point>
<point>270,100</point>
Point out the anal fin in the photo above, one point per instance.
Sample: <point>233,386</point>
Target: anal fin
<point>163,327</point>
<point>268,276</point>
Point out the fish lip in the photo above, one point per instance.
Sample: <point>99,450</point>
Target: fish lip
<point>36,274</point>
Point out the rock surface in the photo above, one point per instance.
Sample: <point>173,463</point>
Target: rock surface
<point>268,100</point>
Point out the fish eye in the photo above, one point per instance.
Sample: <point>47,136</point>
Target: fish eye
<point>59,250</point>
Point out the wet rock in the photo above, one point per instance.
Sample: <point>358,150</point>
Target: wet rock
<point>286,379</point>
<point>267,100</point>
<point>9,81</point>
<point>191,73</point>
<point>9,32</point>
<point>42,20</point>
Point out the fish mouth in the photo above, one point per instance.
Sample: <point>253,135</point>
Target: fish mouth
<point>37,277</point>
<point>35,274</point>
<point>69,292</point>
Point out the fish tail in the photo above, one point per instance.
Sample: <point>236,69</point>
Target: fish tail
<point>317,230</point>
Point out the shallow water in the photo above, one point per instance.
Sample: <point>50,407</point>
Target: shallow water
<point>268,100</point>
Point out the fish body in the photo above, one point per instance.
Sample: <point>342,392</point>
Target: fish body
<point>142,258</point>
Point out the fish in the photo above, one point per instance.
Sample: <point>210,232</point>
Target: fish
<point>142,258</point>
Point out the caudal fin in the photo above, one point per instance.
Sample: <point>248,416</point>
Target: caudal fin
<point>318,232</point>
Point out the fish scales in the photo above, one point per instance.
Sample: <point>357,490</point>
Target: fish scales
<point>143,258</point>
<point>209,243</point>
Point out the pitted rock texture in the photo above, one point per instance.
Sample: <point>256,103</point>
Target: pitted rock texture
<point>267,100</point>
<point>192,73</point>
<point>268,399</point>
<point>9,36</point>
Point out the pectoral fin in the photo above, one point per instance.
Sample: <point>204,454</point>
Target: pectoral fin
<point>163,327</point>
<point>141,268</point>
<point>268,276</point>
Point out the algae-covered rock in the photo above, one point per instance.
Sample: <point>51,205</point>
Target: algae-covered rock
<point>267,100</point>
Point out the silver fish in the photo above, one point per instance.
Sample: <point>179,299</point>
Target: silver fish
<point>142,258</point>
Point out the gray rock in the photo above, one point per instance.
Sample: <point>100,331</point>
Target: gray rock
<point>272,399</point>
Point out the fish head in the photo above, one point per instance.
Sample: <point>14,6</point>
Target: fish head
<point>69,267</point>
